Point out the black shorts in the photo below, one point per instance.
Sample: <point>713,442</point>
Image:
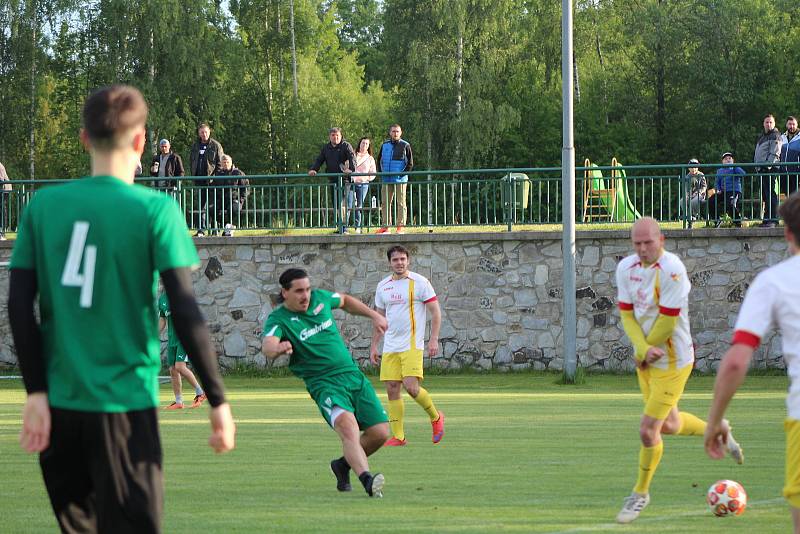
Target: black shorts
<point>103,471</point>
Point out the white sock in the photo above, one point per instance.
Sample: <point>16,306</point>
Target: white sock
<point>198,390</point>
<point>179,399</point>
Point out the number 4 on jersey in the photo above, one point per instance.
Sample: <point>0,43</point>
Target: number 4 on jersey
<point>78,251</point>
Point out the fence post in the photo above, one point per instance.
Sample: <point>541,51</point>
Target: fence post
<point>339,202</point>
<point>508,185</point>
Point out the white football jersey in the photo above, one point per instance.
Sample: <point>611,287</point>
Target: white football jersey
<point>662,287</point>
<point>773,300</point>
<point>404,303</point>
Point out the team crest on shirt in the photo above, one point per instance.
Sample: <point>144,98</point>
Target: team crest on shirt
<point>675,277</point>
<point>328,401</point>
<point>318,309</point>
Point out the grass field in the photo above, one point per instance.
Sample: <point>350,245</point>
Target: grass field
<point>520,454</point>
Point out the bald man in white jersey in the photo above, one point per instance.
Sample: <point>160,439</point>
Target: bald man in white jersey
<point>772,301</point>
<point>653,296</point>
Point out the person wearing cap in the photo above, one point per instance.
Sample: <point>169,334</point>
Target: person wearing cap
<point>767,154</point>
<point>728,191</point>
<point>696,189</point>
<point>166,164</point>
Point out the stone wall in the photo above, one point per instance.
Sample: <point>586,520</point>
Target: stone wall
<point>500,293</point>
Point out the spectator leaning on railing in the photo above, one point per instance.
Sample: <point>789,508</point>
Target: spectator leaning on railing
<point>767,153</point>
<point>696,188</point>
<point>338,156</point>
<point>790,153</point>
<point>5,191</point>
<point>230,194</point>
<point>364,163</point>
<point>204,160</point>
<point>394,156</point>
<point>728,191</point>
<point>166,164</point>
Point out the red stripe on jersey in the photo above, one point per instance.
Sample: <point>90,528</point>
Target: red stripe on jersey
<point>670,312</point>
<point>746,338</point>
<point>432,299</point>
<point>625,306</point>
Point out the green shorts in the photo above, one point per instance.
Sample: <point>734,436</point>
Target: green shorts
<point>176,353</point>
<point>350,391</point>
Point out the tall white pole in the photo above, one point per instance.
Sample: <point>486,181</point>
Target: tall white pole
<point>570,321</point>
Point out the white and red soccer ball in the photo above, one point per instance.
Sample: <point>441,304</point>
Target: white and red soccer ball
<point>726,497</point>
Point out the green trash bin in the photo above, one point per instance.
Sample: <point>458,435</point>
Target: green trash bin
<point>518,185</point>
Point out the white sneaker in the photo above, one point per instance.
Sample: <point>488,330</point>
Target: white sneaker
<point>358,230</point>
<point>229,228</point>
<point>633,506</point>
<point>734,449</point>
<point>376,487</point>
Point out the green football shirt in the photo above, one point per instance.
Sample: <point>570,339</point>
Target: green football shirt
<point>166,313</point>
<point>317,346</point>
<point>97,245</point>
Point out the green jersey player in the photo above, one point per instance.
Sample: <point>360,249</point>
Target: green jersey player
<point>303,327</point>
<point>92,250</point>
<point>177,359</point>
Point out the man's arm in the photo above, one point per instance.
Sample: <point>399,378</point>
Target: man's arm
<point>436,323</point>
<point>633,330</point>
<point>23,286</point>
<point>409,158</point>
<point>374,354</point>
<point>272,347</point>
<point>730,376</point>
<point>179,170</point>
<point>317,162</point>
<point>351,157</point>
<point>162,324</point>
<point>355,307</point>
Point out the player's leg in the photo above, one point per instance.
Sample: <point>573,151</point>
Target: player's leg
<point>392,376</point>
<point>66,473</point>
<point>791,488</point>
<point>175,379</point>
<point>126,469</point>
<point>411,364</point>
<point>346,427</point>
<point>184,371</point>
<point>374,437</point>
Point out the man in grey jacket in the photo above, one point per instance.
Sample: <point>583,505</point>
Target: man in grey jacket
<point>768,152</point>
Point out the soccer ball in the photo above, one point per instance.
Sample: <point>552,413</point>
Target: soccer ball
<point>726,497</point>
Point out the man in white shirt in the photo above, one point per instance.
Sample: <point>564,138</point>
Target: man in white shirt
<point>653,296</point>
<point>404,297</point>
<point>773,300</point>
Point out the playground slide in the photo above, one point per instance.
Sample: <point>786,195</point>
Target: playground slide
<point>625,210</point>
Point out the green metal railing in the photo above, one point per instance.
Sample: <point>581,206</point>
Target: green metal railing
<point>473,197</point>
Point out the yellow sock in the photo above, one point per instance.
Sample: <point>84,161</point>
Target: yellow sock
<point>396,411</point>
<point>424,400</point>
<point>648,462</point>
<point>691,425</point>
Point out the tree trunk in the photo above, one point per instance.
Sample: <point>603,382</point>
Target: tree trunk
<point>32,117</point>
<point>576,79</point>
<point>457,164</point>
<point>294,49</point>
<point>603,74</point>
<point>661,100</point>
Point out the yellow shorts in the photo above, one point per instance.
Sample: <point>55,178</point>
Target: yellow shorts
<point>792,488</point>
<point>662,389</point>
<point>398,365</point>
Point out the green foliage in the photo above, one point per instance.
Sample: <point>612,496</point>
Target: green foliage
<point>474,83</point>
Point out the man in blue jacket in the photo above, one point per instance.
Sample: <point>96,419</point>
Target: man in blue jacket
<point>394,156</point>
<point>728,189</point>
